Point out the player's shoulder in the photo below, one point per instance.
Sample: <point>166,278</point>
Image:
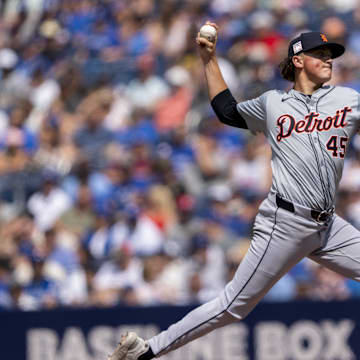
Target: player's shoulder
<point>275,93</point>
<point>344,91</point>
<point>272,95</point>
<point>269,94</point>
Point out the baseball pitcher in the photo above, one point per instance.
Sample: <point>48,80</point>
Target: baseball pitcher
<point>309,129</point>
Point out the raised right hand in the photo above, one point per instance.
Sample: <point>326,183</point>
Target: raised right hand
<point>207,49</point>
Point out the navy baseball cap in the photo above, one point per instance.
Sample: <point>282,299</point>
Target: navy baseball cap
<point>312,40</point>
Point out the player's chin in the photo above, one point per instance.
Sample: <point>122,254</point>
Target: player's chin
<point>328,72</point>
<point>326,75</point>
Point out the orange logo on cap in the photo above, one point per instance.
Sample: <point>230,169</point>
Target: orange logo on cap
<point>324,38</point>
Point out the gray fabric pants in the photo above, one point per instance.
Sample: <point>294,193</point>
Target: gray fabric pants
<point>281,239</point>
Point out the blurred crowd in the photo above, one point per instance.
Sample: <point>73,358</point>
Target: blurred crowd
<point>118,185</point>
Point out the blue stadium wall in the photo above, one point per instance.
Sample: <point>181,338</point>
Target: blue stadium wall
<point>289,331</point>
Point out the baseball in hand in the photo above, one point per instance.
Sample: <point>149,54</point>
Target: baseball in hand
<point>208,32</point>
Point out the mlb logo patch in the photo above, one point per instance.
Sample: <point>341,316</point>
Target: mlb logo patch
<point>297,47</point>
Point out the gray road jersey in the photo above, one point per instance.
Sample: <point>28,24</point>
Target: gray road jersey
<point>308,138</point>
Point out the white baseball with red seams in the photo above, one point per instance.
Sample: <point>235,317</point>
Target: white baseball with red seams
<point>208,32</point>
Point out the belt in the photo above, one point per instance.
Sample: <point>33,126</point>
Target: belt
<point>319,216</point>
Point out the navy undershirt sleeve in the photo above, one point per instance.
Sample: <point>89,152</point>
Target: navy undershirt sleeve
<point>225,109</point>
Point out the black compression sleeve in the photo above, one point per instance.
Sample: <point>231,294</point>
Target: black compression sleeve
<point>224,106</point>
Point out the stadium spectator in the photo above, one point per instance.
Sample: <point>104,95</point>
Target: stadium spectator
<point>49,203</point>
<point>116,277</point>
<point>205,270</point>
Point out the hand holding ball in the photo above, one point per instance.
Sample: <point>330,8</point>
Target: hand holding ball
<point>208,32</point>
<point>206,40</point>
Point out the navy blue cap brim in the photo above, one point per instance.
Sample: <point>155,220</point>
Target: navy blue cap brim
<point>336,49</point>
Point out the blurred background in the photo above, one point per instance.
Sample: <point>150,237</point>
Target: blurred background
<point>118,185</point>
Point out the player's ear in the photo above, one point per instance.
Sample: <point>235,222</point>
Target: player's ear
<point>298,61</point>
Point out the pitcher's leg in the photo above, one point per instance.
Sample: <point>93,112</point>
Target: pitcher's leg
<point>196,323</point>
<point>341,249</point>
<point>272,253</point>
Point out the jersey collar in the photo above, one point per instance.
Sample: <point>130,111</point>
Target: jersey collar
<point>292,93</point>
